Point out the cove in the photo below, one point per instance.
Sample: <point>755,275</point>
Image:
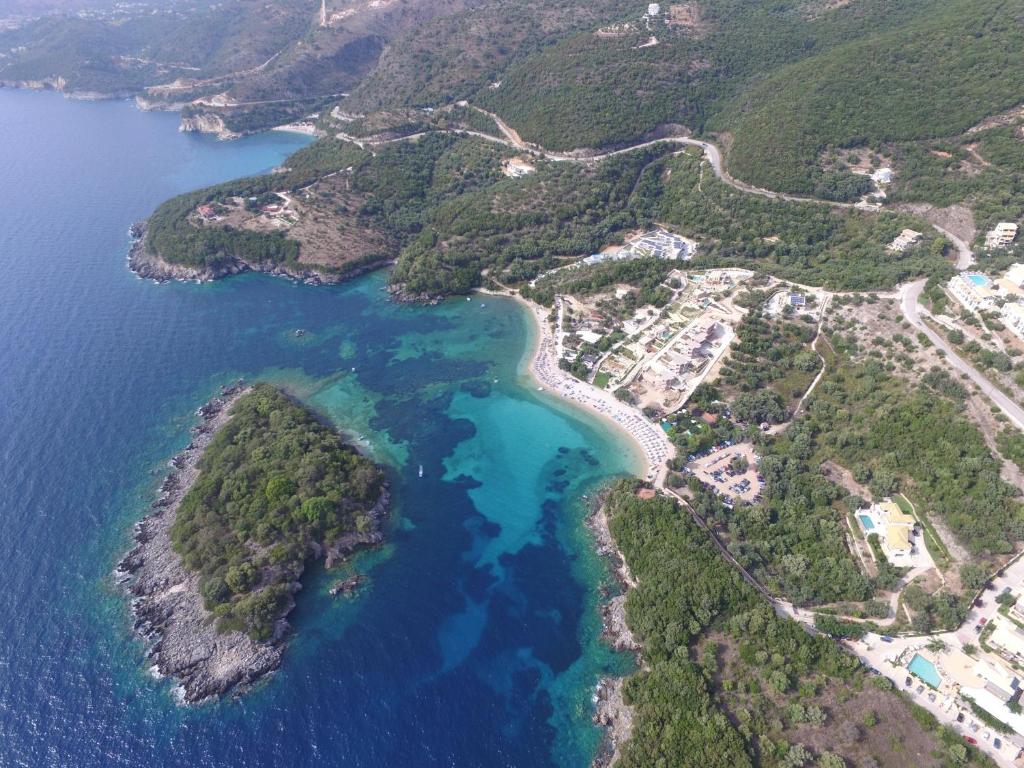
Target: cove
<point>475,641</point>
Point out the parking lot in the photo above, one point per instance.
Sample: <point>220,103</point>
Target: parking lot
<point>716,470</point>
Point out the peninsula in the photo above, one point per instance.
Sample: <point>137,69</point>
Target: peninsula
<point>262,487</point>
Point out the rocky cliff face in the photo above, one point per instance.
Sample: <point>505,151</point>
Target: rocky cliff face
<point>207,122</point>
<point>149,265</point>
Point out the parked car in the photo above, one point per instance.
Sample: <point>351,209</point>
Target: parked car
<point>959,717</point>
<point>886,639</point>
<point>920,689</point>
<point>997,743</point>
<point>979,603</point>
<point>908,682</point>
<point>982,621</point>
<point>970,740</point>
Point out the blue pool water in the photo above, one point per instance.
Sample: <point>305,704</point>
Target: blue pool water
<point>925,670</point>
<point>865,520</point>
<point>476,642</point>
<point>978,279</point>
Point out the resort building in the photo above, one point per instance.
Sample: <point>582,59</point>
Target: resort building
<point>1002,236</point>
<point>973,290</point>
<point>998,679</point>
<point>1012,316</point>
<point>657,244</point>
<point>1008,639</point>
<point>904,240</point>
<point>1016,612</point>
<point>894,527</point>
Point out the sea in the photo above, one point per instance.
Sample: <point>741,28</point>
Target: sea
<point>476,640</point>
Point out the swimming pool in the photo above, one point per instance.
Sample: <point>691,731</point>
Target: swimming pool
<point>865,520</point>
<point>925,670</point>
<point>978,279</point>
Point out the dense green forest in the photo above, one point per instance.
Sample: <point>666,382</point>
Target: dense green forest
<point>274,484</point>
<point>727,683</point>
<point>949,69</point>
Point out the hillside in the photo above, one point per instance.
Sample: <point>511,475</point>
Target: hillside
<point>444,211</point>
<point>935,77</point>
<point>725,682</point>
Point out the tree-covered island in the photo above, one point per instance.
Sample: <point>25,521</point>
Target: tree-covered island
<point>262,488</point>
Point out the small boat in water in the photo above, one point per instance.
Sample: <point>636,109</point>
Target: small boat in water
<point>421,470</point>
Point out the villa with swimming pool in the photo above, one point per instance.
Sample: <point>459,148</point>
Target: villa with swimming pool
<point>979,292</point>
<point>897,531</point>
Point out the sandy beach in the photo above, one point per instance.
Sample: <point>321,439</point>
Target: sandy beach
<point>650,439</point>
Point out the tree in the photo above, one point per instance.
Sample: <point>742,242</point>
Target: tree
<point>279,490</point>
<point>972,576</point>
<point>797,756</point>
<point>831,760</point>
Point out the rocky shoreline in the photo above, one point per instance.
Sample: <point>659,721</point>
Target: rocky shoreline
<point>150,266</point>
<point>611,711</point>
<point>167,608</point>
<point>182,639</point>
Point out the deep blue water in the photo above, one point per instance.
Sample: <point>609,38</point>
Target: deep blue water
<point>475,642</point>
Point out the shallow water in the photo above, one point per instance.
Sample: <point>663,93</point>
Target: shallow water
<point>475,642</point>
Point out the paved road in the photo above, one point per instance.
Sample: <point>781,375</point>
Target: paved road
<point>910,297</point>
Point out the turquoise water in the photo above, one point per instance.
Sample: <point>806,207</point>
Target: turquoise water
<point>865,520</point>
<point>978,279</point>
<point>925,670</point>
<point>475,642</point>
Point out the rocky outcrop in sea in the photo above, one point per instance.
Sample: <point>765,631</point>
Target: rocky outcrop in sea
<point>183,641</point>
<point>151,266</point>
<point>182,638</point>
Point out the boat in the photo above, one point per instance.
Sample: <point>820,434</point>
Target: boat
<point>421,470</point>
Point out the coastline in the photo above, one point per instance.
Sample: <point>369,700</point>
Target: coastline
<point>149,266</point>
<point>541,365</point>
<point>169,612</point>
<point>611,712</point>
<point>167,607</point>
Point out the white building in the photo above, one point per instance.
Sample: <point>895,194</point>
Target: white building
<point>1015,275</point>
<point>904,240</point>
<point>973,291</point>
<point>1012,316</point>
<point>894,527</point>
<point>882,176</point>
<point>653,9</point>
<point>1002,236</point>
<point>998,679</point>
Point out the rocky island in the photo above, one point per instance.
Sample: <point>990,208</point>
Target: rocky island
<point>262,487</point>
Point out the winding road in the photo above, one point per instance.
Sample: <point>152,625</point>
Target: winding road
<point>909,295</point>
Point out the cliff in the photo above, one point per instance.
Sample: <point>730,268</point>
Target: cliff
<point>146,264</point>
